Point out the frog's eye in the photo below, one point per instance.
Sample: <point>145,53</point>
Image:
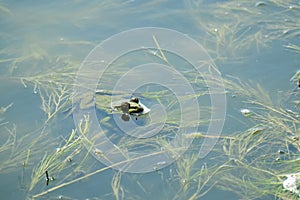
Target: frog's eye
<point>136,100</point>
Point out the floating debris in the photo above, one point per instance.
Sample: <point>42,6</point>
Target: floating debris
<point>260,3</point>
<point>47,178</point>
<point>280,152</point>
<point>278,159</point>
<point>184,181</point>
<point>158,165</point>
<point>246,112</point>
<point>292,112</point>
<point>194,135</point>
<point>290,183</point>
<point>161,163</point>
<point>4,109</point>
<point>296,138</point>
<point>256,130</point>
<point>69,159</point>
<point>98,152</point>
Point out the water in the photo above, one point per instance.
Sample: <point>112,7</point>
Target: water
<point>43,46</point>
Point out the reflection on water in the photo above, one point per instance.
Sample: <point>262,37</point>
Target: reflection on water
<point>254,44</point>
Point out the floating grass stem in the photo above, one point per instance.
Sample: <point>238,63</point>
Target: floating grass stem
<point>116,186</point>
<point>162,55</point>
<point>25,163</point>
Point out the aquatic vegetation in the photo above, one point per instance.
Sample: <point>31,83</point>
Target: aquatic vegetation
<point>54,100</point>
<point>60,162</point>
<point>250,169</point>
<point>293,47</point>
<point>258,167</point>
<point>229,29</point>
<point>3,109</point>
<point>8,145</point>
<point>257,159</point>
<point>184,167</point>
<point>115,184</point>
<point>5,10</point>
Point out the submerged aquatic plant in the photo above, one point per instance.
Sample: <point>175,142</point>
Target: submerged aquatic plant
<point>293,47</point>
<point>116,187</point>
<point>252,162</point>
<point>232,28</point>
<point>265,153</point>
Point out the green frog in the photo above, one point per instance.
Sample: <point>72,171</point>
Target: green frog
<point>131,107</point>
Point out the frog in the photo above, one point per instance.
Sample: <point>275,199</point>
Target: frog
<point>131,107</point>
<point>134,106</point>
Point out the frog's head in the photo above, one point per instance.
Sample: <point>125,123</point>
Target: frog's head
<point>135,100</point>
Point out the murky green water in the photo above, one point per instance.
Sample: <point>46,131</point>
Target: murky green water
<point>253,44</point>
